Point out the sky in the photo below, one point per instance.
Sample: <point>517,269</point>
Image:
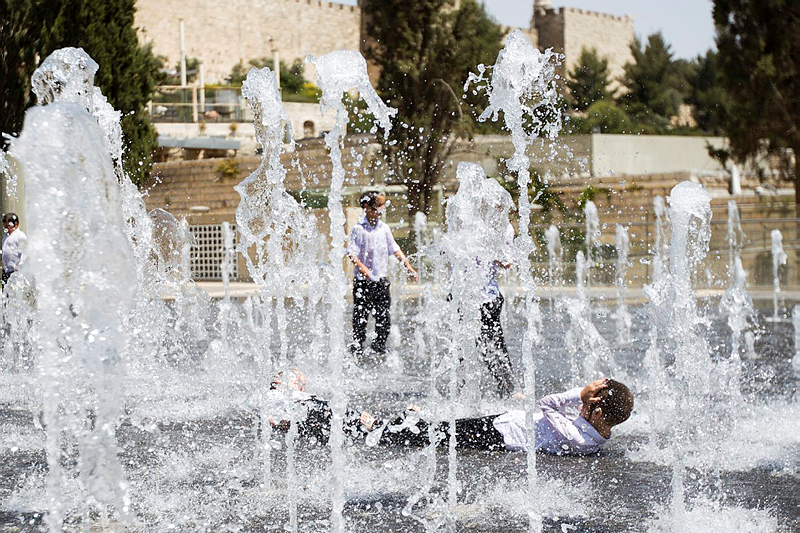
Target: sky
<point>686,24</point>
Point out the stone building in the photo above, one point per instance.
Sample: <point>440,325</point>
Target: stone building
<point>223,32</point>
<point>220,33</point>
<point>569,31</point>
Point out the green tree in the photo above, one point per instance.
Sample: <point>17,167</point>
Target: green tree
<point>588,81</point>
<point>654,83</point>
<point>425,50</point>
<point>603,116</point>
<point>104,29</point>
<point>22,39</point>
<point>707,94</point>
<point>292,78</point>
<point>759,56</point>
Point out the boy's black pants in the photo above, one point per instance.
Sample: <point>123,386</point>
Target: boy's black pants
<point>492,345</point>
<point>371,297</point>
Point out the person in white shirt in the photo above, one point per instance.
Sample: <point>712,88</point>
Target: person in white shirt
<point>575,422</point>
<point>14,244</point>
<point>371,243</point>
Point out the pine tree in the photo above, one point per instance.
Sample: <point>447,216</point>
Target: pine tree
<point>588,80</point>
<point>759,56</point>
<point>707,95</point>
<point>425,50</point>
<point>21,41</point>
<point>653,82</point>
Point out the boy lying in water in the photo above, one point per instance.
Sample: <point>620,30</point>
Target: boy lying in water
<point>575,422</point>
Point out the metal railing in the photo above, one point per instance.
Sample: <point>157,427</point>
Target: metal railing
<point>174,103</point>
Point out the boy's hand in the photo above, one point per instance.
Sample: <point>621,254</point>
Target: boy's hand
<point>367,420</point>
<point>364,271</point>
<point>590,391</point>
<point>413,274</point>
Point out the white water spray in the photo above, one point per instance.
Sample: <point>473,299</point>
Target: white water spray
<point>523,88</point>
<point>337,73</point>
<point>623,245</point>
<point>592,222</point>
<point>779,258</point>
<point>554,258</point>
<point>80,260</point>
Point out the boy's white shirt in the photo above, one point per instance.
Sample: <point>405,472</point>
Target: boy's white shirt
<point>559,428</point>
<point>14,245</point>
<point>492,290</point>
<point>372,245</point>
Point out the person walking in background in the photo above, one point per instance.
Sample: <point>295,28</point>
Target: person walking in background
<point>14,243</point>
<point>371,244</point>
<point>492,342</point>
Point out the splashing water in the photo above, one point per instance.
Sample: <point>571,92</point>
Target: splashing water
<point>736,303</point>
<point>779,258</point>
<point>672,296</point>
<point>67,75</point>
<point>337,73</point>
<point>592,237</point>
<point>623,245</point>
<point>80,261</point>
<point>7,173</point>
<point>523,87</point>
<point>554,258</point>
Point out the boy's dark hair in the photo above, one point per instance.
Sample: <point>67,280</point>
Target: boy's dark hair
<point>369,198</point>
<point>10,218</point>
<point>616,400</point>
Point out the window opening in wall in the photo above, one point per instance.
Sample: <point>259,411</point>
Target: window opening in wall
<point>308,128</point>
<point>208,250</point>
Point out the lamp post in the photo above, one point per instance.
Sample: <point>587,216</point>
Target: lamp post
<point>276,62</point>
<point>183,56</point>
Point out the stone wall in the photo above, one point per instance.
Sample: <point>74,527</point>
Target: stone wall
<point>223,32</point>
<point>569,30</point>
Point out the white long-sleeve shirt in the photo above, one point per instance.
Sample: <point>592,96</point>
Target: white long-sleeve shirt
<point>14,246</point>
<point>372,245</point>
<point>558,429</point>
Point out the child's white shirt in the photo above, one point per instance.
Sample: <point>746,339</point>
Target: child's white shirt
<point>559,429</point>
<point>372,245</point>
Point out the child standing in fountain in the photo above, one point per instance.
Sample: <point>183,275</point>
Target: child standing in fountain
<point>14,243</point>
<point>492,342</point>
<point>371,244</point>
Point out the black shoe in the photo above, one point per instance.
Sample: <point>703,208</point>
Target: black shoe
<point>357,352</point>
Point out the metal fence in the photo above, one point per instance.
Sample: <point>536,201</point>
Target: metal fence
<point>756,253</point>
<point>173,103</point>
<point>208,251</point>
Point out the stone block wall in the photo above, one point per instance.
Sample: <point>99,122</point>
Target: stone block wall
<point>610,35</point>
<point>223,32</point>
<point>570,30</point>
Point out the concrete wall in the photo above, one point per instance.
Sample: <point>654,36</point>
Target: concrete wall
<point>646,154</point>
<point>299,113</point>
<point>222,32</point>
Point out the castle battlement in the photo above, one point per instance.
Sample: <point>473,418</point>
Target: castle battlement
<point>326,5</point>
<point>623,18</point>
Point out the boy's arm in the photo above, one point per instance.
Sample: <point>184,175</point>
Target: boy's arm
<point>403,259</point>
<point>589,396</point>
<point>361,267</point>
<point>353,248</point>
<point>395,250</point>
<point>559,403</point>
